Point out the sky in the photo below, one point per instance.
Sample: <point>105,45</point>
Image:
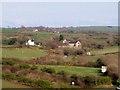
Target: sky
<point>59,14</point>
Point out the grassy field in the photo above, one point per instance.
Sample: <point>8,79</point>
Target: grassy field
<point>23,53</point>
<point>74,69</point>
<point>111,49</point>
<point>40,36</point>
<point>8,84</point>
<point>9,30</point>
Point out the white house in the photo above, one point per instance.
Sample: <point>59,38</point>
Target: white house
<point>78,44</point>
<point>30,42</point>
<point>35,30</point>
<point>103,69</point>
<point>64,41</point>
<point>75,44</point>
<point>72,43</point>
<point>88,53</point>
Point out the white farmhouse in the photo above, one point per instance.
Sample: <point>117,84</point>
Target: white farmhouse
<point>103,69</point>
<point>88,53</point>
<point>72,43</point>
<point>78,44</point>
<point>65,41</point>
<point>75,44</point>
<point>35,30</point>
<point>30,42</point>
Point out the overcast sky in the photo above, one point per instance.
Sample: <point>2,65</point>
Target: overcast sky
<point>59,14</point>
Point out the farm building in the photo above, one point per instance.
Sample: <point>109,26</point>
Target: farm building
<point>88,53</point>
<point>33,43</point>
<point>30,42</point>
<point>72,43</point>
<point>36,30</point>
<point>103,69</point>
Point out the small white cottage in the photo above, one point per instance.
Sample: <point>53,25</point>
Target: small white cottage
<point>30,42</point>
<point>36,30</point>
<point>65,41</point>
<point>75,44</point>
<point>88,53</point>
<point>103,69</point>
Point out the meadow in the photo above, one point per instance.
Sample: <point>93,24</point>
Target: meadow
<point>22,53</point>
<point>51,56</point>
<point>9,84</point>
<point>109,49</point>
<point>84,71</point>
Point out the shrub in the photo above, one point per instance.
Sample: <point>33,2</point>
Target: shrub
<point>12,41</point>
<point>24,80</point>
<point>113,73</point>
<point>8,77</point>
<point>74,77</point>
<point>62,73</point>
<point>8,62</point>
<point>99,46</point>
<point>103,80</point>
<point>71,51</point>
<point>89,81</point>
<point>90,64</point>
<point>24,66</point>
<point>48,70</point>
<point>66,52</point>
<point>78,52</point>
<point>43,83</point>
<point>99,62</point>
<point>14,69</point>
<point>114,77</point>
<point>61,37</point>
<point>34,67</point>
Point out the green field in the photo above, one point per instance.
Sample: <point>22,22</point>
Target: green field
<point>40,36</point>
<point>84,71</point>
<point>23,53</point>
<point>9,30</point>
<point>8,84</point>
<point>111,49</point>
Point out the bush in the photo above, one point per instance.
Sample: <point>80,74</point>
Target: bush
<point>66,52</point>
<point>12,41</point>
<point>48,70</point>
<point>90,64</point>
<point>14,69</point>
<point>24,80</point>
<point>8,62</point>
<point>24,66</point>
<point>103,80</point>
<point>62,73</point>
<point>74,77</point>
<point>44,83</point>
<point>113,73</point>
<point>34,67</point>
<point>71,51</point>
<point>78,52</point>
<point>89,81</point>
<point>99,63</point>
<point>100,46</point>
<point>8,77</point>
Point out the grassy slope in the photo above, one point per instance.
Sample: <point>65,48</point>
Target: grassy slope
<point>8,84</point>
<point>111,49</point>
<point>40,36</point>
<point>23,53</point>
<point>74,69</point>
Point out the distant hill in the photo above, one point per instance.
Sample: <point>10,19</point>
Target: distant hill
<point>105,29</point>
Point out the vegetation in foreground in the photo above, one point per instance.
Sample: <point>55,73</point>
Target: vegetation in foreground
<point>50,66</point>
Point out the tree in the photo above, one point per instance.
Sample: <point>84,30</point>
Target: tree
<point>61,37</point>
